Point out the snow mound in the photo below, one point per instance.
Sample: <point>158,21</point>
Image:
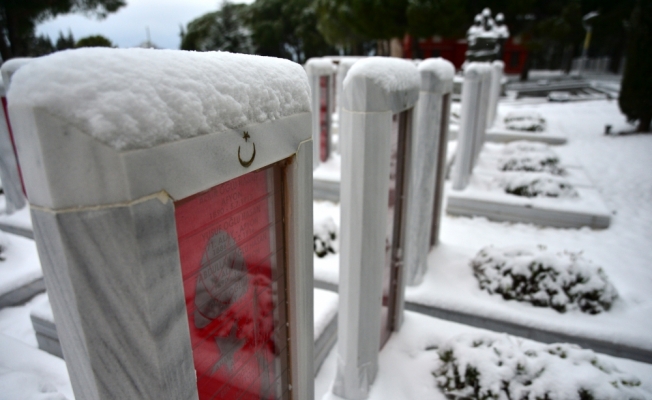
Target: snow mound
<point>534,161</point>
<point>325,237</point>
<point>443,69</point>
<point>527,121</point>
<point>138,98</point>
<point>391,74</point>
<point>562,281</point>
<point>501,367</point>
<point>530,184</point>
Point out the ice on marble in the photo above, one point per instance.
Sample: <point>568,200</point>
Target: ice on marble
<point>138,98</point>
<point>391,74</point>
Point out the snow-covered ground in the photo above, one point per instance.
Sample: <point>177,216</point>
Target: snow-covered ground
<point>621,170</point>
<point>410,357</point>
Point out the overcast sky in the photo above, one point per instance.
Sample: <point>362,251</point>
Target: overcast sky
<point>127,27</point>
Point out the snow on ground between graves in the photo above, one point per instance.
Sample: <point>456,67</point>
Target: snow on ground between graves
<point>391,74</point>
<point>19,262</point>
<point>138,98</point>
<point>621,169</point>
<point>408,360</point>
<point>31,374</point>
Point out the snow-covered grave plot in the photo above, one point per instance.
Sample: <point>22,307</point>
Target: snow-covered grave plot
<point>521,182</point>
<point>435,359</point>
<point>29,373</point>
<point>523,125</point>
<point>376,134</point>
<point>537,198</point>
<point>321,72</point>
<point>171,198</point>
<point>517,157</point>
<point>20,270</point>
<point>620,169</point>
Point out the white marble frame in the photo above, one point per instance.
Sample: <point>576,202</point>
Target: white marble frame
<point>315,73</point>
<point>9,172</point>
<point>365,130</point>
<point>105,231</point>
<point>425,194</point>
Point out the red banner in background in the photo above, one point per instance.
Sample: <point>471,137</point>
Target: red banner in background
<point>324,118</point>
<point>231,250</point>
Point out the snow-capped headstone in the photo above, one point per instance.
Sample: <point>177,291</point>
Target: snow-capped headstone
<point>321,72</point>
<point>483,110</point>
<point>474,74</point>
<point>10,173</point>
<point>428,164</point>
<point>497,68</point>
<point>171,195</point>
<point>376,132</point>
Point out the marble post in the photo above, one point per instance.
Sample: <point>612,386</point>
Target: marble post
<point>483,109</point>
<point>117,250</point>
<point>368,109</point>
<point>497,68</point>
<point>320,75</point>
<point>428,161</point>
<point>473,75</point>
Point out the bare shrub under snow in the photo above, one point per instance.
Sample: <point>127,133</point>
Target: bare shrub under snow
<point>325,237</point>
<point>562,281</point>
<point>527,121</point>
<point>501,367</point>
<point>539,185</point>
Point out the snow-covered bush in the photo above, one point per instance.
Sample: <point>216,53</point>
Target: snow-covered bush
<point>325,237</point>
<point>537,161</point>
<point>538,185</point>
<point>563,281</point>
<point>501,367</point>
<point>528,121</point>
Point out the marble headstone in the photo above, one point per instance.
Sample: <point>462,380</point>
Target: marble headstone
<point>376,128</point>
<point>182,269</point>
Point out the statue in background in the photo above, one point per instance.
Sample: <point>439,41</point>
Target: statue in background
<point>487,37</point>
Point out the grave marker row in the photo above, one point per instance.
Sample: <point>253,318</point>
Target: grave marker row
<point>393,133</point>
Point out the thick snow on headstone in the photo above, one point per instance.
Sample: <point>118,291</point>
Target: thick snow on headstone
<point>391,74</point>
<point>138,98</point>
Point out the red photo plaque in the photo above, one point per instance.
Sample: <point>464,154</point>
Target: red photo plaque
<point>232,260</point>
<point>324,118</point>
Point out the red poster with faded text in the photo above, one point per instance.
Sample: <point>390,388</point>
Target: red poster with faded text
<point>232,261</point>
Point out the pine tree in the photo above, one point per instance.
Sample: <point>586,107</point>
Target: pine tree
<point>636,89</point>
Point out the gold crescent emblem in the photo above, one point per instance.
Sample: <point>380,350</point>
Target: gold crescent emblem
<point>245,164</point>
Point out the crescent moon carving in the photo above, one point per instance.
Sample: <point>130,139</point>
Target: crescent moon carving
<point>247,163</point>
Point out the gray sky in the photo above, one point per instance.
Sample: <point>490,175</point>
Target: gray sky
<point>126,28</point>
